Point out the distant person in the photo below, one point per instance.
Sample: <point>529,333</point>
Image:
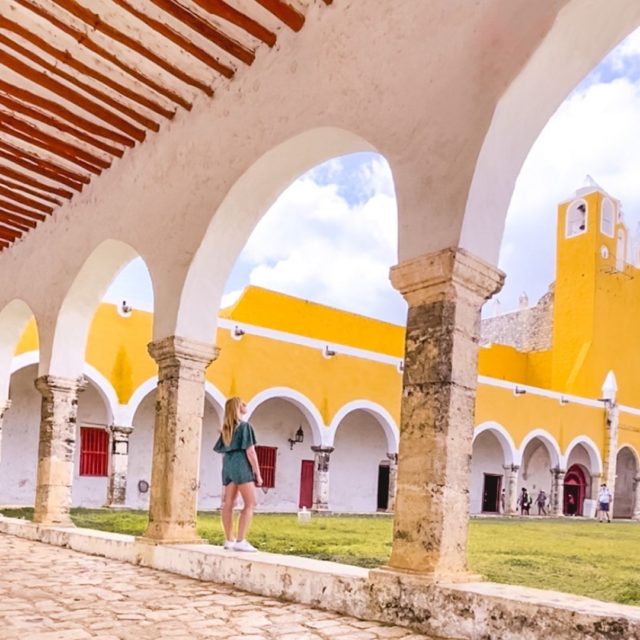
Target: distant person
<point>541,503</point>
<point>524,502</point>
<point>571,505</point>
<point>604,500</point>
<point>503,502</point>
<point>240,472</point>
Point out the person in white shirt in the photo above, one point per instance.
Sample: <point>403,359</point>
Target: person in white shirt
<point>604,500</point>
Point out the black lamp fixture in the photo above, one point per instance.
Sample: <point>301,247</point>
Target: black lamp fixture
<point>298,437</point>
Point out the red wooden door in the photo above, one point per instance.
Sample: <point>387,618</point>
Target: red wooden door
<point>306,484</point>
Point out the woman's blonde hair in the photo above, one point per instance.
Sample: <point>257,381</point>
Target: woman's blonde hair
<point>231,419</point>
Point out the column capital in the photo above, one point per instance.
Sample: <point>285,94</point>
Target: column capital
<point>123,432</point>
<point>445,275</point>
<point>187,352</point>
<point>322,449</point>
<point>393,457</point>
<point>511,467</point>
<point>4,406</point>
<point>48,384</point>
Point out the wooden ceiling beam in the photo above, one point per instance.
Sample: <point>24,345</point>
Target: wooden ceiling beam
<point>7,233</point>
<point>55,149</point>
<point>205,29</point>
<point>64,149</point>
<point>64,113</point>
<point>96,22</point>
<point>16,186</point>
<point>32,182</point>
<point>231,14</point>
<point>26,213</point>
<point>39,166</point>
<point>47,82</point>
<point>35,114</point>
<point>84,40</point>
<point>24,224</point>
<point>66,58</point>
<point>178,38</point>
<point>29,202</point>
<point>71,79</point>
<point>284,12</point>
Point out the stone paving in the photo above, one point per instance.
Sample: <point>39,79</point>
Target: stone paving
<point>50,593</point>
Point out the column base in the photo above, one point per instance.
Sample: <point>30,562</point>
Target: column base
<point>163,541</point>
<point>386,575</point>
<point>66,524</point>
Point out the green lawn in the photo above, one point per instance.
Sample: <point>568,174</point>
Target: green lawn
<point>576,556</point>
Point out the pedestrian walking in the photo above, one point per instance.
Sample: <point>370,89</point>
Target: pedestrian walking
<point>604,500</point>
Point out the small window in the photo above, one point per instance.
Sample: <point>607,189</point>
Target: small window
<point>607,217</point>
<point>267,462</point>
<point>94,452</point>
<point>576,218</point>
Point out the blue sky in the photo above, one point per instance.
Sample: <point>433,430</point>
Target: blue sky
<point>331,236</point>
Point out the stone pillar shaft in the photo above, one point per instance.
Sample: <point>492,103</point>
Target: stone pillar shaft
<point>56,448</point>
<point>636,502</point>
<point>176,440</point>
<point>322,457</point>
<point>119,463</point>
<point>556,502</point>
<point>445,292</point>
<point>511,493</point>
<point>393,481</point>
<point>4,406</point>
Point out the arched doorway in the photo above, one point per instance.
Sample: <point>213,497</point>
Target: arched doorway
<point>624,491</point>
<point>575,487</point>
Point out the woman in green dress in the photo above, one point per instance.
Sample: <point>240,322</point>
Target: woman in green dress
<point>240,472</point>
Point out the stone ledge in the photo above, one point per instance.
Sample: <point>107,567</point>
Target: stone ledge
<point>471,611</point>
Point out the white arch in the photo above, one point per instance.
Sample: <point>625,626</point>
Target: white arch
<point>13,320</point>
<point>595,459</point>
<point>549,442</point>
<point>581,35</point>
<point>382,416</point>
<point>64,354</point>
<point>503,437</point>
<point>215,397</point>
<point>308,409</point>
<point>243,206</point>
<point>100,382</point>
<point>634,453</point>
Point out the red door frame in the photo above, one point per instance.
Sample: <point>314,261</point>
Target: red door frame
<point>575,478</point>
<point>306,484</point>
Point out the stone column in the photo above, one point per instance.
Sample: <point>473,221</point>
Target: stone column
<point>445,292</point>
<point>511,493</point>
<point>393,481</point>
<point>119,463</point>
<point>556,501</point>
<point>636,502</point>
<point>321,478</point>
<point>4,406</point>
<point>596,479</point>
<point>612,418</point>
<point>176,440</point>
<point>56,448</point>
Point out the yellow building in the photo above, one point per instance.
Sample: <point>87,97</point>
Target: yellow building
<point>323,388</point>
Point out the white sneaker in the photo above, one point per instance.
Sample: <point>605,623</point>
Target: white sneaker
<point>228,544</point>
<point>243,545</point>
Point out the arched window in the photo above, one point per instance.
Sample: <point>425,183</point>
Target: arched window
<point>576,218</point>
<point>607,217</point>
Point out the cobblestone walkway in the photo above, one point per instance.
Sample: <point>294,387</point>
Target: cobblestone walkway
<point>50,593</point>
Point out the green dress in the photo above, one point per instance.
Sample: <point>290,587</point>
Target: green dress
<point>235,465</point>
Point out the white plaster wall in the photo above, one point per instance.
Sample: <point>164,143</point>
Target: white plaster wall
<point>89,491</point>
<point>210,490</point>
<point>535,471</point>
<point>360,447</point>
<point>275,421</point>
<point>624,495</point>
<point>19,453</point>
<point>140,452</point>
<point>487,457</point>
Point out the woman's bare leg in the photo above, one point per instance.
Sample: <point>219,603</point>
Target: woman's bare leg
<point>226,513</point>
<point>248,493</point>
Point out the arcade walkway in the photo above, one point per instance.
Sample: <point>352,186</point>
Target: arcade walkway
<point>50,593</point>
